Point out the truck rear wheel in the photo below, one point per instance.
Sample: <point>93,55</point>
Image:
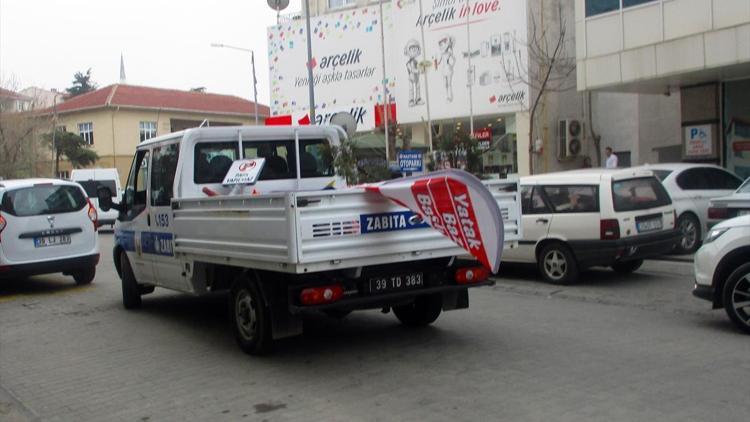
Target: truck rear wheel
<point>251,322</point>
<point>423,311</point>
<point>131,293</point>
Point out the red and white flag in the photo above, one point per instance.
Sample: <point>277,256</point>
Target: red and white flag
<point>456,204</point>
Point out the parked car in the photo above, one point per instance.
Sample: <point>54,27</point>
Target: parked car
<point>722,270</point>
<point>91,179</point>
<point>595,217</point>
<point>691,186</point>
<point>731,206</point>
<point>47,226</point>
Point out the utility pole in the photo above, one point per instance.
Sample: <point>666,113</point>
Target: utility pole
<point>255,81</point>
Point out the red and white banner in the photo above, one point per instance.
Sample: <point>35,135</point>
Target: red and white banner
<point>456,204</point>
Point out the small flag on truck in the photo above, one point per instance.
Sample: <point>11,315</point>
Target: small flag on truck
<point>456,204</point>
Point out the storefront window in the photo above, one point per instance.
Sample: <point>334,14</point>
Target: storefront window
<point>737,124</point>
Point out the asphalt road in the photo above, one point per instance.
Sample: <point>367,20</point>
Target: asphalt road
<point>614,348</point>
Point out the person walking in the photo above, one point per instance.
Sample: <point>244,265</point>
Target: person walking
<point>611,162</point>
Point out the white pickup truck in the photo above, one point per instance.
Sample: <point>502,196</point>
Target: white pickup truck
<point>299,240</point>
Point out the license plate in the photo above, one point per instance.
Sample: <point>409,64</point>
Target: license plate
<point>41,242</point>
<point>649,225</point>
<point>396,282</point>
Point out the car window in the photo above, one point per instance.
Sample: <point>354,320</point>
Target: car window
<point>279,155</point>
<point>43,199</point>
<point>639,194</point>
<point>694,179</point>
<point>573,199</point>
<point>661,174</point>
<point>213,160</point>
<point>720,179</point>
<point>532,201</point>
<point>745,188</point>
<point>316,158</point>
<point>162,177</point>
<point>91,187</point>
<point>136,189</point>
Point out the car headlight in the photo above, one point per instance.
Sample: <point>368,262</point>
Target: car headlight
<point>715,234</point>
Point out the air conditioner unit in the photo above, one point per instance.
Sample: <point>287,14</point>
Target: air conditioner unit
<point>570,138</point>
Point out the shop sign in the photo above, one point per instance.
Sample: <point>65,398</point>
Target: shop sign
<point>484,136</point>
<point>430,51</point>
<point>346,64</point>
<point>410,161</point>
<point>699,141</point>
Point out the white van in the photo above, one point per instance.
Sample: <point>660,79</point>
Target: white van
<point>91,179</point>
<point>595,217</point>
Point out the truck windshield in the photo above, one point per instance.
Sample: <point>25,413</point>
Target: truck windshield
<point>43,199</point>
<point>639,194</point>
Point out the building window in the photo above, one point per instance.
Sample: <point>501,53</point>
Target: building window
<point>337,4</point>
<point>148,130</point>
<point>629,3</point>
<point>86,130</point>
<point>61,128</point>
<point>597,7</point>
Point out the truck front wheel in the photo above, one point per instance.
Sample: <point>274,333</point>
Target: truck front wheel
<point>423,311</point>
<point>131,294</point>
<point>251,322</point>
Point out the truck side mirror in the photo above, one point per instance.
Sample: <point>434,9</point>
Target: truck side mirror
<point>104,195</point>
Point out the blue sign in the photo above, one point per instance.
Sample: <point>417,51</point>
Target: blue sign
<point>410,161</point>
<point>390,221</point>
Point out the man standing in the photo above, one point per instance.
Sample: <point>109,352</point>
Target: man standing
<point>611,162</point>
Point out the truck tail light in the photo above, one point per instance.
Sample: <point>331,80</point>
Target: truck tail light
<point>321,295</point>
<point>609,229</point>
<point>471,275</point>
<point>718,213</point>
<point>92,214</point>
<point>3,223</point>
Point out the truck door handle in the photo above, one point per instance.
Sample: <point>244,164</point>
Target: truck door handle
<point>148,220</point>
<point>542,220</point>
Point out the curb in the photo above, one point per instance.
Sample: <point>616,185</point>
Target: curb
<point>668,266</point>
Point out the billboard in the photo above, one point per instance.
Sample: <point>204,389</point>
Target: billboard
<point>347,65</point>
<point>445,46</point>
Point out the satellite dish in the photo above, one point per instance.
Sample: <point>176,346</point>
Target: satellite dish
<point>278,5</point>
<point>346,121</point>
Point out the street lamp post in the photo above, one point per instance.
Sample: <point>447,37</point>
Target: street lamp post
<point>255,81</point>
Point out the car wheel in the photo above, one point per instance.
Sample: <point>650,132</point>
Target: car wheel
<point>627,267</point>
<point>423,311</point>
<point>84,276</point>
<point>690,228</point>
<point>736,297</point>
<point>131,292</point>
<point>557,264</point>
<point>250,318</point>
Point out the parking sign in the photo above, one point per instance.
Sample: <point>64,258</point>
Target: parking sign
<point>410,161</point>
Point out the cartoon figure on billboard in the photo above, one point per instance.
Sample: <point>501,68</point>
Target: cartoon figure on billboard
<point>412,50</point>
<point>446,63</point>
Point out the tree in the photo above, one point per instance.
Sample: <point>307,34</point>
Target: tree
<point>551,62</point>
<point>73,147</point>
<point>18,134</point>
<point>82,84</point>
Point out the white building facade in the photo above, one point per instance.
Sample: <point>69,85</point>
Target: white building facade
<point>694,50</point>
<point>458,66</point>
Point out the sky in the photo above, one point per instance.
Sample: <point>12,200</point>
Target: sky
<point>165,43</point>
